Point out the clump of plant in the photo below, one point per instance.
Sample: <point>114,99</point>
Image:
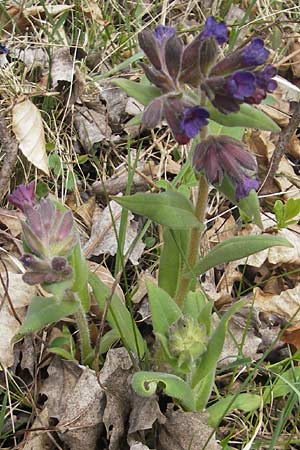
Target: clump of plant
<point>196,93</point>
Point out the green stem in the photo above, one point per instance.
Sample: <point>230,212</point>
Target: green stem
<point>84,335</point>
<point>193,251</point>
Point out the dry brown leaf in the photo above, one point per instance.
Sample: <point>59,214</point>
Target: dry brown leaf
<point>295,60</point>
<point>62,68</point>
<point>139,446</point>
<point>76,401</point>
<point>85,212</point>
<point>106,277</point>
<point>186,430</point>
<point>103,239</point>
<point>116,100</point>
<point>29,130</point>
<point>286,304</point>
<point>288,91</point>
<point>115,379</point>
<point>20,294</point>
<point>11,219</point>
<point>294,147</point>
<point>91,126</point>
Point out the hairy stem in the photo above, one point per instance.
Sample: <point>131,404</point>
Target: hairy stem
<point>193,251</point>
<point>84,335</point>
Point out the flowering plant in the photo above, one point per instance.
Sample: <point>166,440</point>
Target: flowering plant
<point>195,90</point>
<point>191,90</point>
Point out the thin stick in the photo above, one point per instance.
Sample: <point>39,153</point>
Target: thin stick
<point>10,147</point>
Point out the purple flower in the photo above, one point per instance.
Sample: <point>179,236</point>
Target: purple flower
<point>193,119</point>
<point>23,196</point>
<point>244,187</point>
<point>264,84</point>
<point>222,155</point>
<point>241,85</point>
<point>255,54</point>
<point>3,50</point>
<point>163,33</point>
<point>252,55</point>
<point>215,29</point>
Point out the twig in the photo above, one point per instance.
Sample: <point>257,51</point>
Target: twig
<point>281,146</point>
<point>10,147</point>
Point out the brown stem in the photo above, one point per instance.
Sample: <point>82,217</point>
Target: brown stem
<point>281,147</point>
<point>10,148</point>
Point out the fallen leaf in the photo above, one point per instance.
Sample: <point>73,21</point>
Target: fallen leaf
<point>106,277</point>
<point>139,446</point>
<point>286,304</point>
<point>29,130</point>
<point>20,295</point>
<point>103,239</point>
<point>62,68</point>
<point>91,126</point>
<point>188,431</point>
<point>31,57</point>
<point>76,400</point>
<point>115,379</point>
<point>116,100</point>
<point>11,219</point>
<point>85,212</point>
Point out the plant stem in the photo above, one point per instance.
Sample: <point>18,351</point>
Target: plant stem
<point>193,251</point>
<point>84,334</point>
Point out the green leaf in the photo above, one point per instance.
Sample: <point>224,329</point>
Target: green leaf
<point>119,67</point>
<point>248,116</point>
<point>146,383</point>
<point>236,248</point>
<point>285,383</point>
<point>45,310</point>
<point>118,316</point>
<point>170,264</point>
<point>194,303</point>
<point>142,92</point>
<point>164,310</point>
<point>248,206</point>
<point>210,358</point>
<point>217,129</point>
<point>171,209</point>
<point>244,402</point>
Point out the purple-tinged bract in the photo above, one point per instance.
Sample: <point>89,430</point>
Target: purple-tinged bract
<point>23,196</point>
<point>222,155</point>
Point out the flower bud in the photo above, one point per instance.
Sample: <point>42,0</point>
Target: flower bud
<point>23,195</point>
<point>187,339</point>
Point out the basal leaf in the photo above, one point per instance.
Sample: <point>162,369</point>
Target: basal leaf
<point>244,402</point>
<point>164,310</point>
<point>248,116</point>
<point>171,209</point>
<point>142,92</point>
<point>118,315</point>
<point>146,383</point>
<point>236,248</point>
<point>45,310</point>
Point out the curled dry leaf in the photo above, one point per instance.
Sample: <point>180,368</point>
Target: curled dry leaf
<point>91,126</point>
<point>187,430</point>
<point>103,238</point>
<point>106,277</point>
<point>286,304</point>
<point>76,401</point>
<point>20,295</point>
<point>29,131</point>
<point>62,68</point>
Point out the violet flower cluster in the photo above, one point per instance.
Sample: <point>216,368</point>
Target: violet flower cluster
<point>240,77</point>
<point>48,236</point>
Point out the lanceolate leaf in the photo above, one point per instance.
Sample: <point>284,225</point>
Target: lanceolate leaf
<point>170,208</point>
<point>244,402</point>
<point>164,310</point>
<point>142,92</point>
<point>45,310</point>
<point>118,316</point>
<point>248,116</point>
<point>146,383</point>
<point>236,248</point>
